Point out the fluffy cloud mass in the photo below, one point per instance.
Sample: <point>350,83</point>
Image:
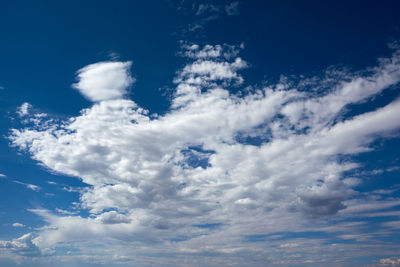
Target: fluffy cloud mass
<point>218,170</point>
<point>104,80</point>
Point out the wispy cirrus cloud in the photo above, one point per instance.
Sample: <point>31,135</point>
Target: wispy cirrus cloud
<point>27,185</point>
<point>264,165</point>
<point>232,9</point>
<point>205,12</point>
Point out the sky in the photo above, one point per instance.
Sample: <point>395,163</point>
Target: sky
<point>199,133</point>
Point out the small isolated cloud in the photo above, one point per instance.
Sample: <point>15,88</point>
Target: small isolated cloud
<point>390,262</point>
<point>30,186</point>
<point>203,9</point>
<point>23,110</point>
<point>232,9</point>
<point>114,56</point>
<point>17,224</point>
<point>3,176</point>
<point>104,80</point>
<point>33,187</point>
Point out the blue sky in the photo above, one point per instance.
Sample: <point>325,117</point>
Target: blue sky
<point>199,133</point>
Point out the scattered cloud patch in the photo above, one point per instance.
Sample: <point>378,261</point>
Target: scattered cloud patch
<point>23,110</point>
<point>207,9</point>
<point>390,262</point>
<point>207,12</point>
<point>232,9</point>
<point>210,51</point>
<point>21,246</point>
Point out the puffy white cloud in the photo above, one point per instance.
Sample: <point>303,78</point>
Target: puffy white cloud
<point>104,80</point>
<point>252,164</point>
<point>204,71</point>
<point>22,246</point>
<point>17,224</point>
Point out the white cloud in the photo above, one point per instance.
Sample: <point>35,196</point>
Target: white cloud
<point>260,163</point>
<point>203,71</point>
<point>30,186</point>
<point>16,224</point>
<point>390,261</point>
<point>113,217</point>
<point>66,212</point>
<point>206,9</point>
<point>206,72</point>
<point>23,110</point>
<point>21,246</point>
<point>210,51</point>
<point>104,80</point>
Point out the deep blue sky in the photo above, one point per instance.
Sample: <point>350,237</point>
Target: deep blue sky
<point>44,43</point>
<point>281,37</point>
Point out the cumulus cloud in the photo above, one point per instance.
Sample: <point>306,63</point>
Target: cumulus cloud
<point>21,246</point>
<point>104,80</point>
<point>113,217</point>
<point>16,224</point>
<point>254,164</point>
